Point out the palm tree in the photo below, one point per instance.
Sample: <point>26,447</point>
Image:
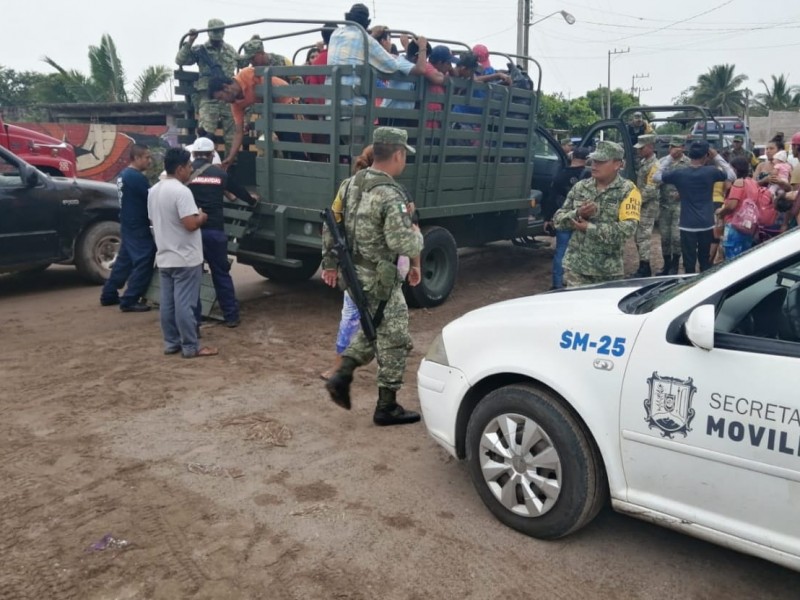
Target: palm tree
<point>720,90</point>
<point>107,81</point>
<point>781,96</point>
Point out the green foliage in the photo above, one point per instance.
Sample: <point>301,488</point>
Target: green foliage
<point>574,116</point>
<point>620,100</point>
<point>670,129</point>
<point>780,96</point>
<point>106,81</point>
<point>720,90</point>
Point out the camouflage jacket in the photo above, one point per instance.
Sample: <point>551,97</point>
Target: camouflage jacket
<point>225,56</point>
<point>644,179</point>
<point>598,250</point>
<point>377,226</point>
<point>669,193</point>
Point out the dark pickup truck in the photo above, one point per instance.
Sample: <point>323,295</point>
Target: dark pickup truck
<point>48,220</point>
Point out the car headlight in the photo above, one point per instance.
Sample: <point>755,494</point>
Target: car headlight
<point>437,352</point>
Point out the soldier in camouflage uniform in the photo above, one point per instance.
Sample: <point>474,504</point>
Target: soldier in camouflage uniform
<point>602,212</point>
<point>253,54</point>
<point>378,229</point>
<point>737,149</point>
<point>669,214</point>
<point>214,52</point>
<point>649,190</point>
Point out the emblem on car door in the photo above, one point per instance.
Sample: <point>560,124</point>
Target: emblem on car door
<point>602,364</point>
<point>669,405</point>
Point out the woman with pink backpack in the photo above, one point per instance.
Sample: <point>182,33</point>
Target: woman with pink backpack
<point>740,211</point>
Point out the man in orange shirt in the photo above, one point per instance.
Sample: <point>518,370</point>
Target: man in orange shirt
<point>241,92</point>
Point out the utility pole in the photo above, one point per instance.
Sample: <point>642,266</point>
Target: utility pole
<point>608,97</point>
<point>633,82</point>
<point>523,27</point>
<point>639,91</point>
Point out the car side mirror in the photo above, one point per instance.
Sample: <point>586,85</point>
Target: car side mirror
<point>700,327</point>
<point>31,178</point>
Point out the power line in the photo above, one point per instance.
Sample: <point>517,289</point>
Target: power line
<point>710,10</point>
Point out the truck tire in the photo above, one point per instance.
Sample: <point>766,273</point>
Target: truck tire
<point>96,250</point>
<point>439,260</point>
<point>281,274</point>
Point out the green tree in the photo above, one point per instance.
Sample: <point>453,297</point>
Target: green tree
<point>620,100</point>
<point>720,90</point>
<point>18,88</point>
<point>573,116</point>
<point>106,81</point>
<point>780,96</point>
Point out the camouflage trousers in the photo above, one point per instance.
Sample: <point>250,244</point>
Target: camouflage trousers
<point>669,217</point>
<point>573,279</point>
<point>210,113</point>
<point>644,231</point>
<point>394,342</point>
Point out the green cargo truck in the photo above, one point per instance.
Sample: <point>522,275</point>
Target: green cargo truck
<point>479,156</point>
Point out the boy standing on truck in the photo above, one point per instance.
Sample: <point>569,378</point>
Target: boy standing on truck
<point>137,251</point>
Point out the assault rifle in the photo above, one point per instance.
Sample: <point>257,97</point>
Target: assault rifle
<point>348,268</point>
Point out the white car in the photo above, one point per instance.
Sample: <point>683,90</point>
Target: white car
<point>678,397</point>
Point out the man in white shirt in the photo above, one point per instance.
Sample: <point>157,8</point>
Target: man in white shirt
<point>176,228</point>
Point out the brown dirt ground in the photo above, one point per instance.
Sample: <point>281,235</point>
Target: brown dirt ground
<point>235,477</point>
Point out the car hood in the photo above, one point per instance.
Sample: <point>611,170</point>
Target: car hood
<point>84,189</point>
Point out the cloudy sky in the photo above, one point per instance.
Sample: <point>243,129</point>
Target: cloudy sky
<point>670,42</point>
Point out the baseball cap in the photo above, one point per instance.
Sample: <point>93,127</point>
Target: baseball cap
<point>607,151</point>
<point>644,140</point>
<point>738,138</point>
<point>467,60</point>
<point>217,28</point>
<point>392,135</point>
<point>698,149</point>
<point>441,54</point>
<point>676,141</point>
<point>202,144</point>
<point>481,52</point>
<point>581,153</point>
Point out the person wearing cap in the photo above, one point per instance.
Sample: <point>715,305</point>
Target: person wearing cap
<point>566,145</point>
<point>208,184</point>
<point>562,184</point>
<point>481,52</point>
<point>648,164</point>
<point>737,149</point>
<point>695,185</point>
<point>253,54</point>
<point>137,250</point>
<point>602,213</point>
<point>669,212</point>
<point>347,47</point>
<point>638,126</point>
<point>215,58</point>
<point>375,202</point>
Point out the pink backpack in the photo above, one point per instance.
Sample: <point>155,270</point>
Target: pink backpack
<point>767,213</point>
<point>746,218</point>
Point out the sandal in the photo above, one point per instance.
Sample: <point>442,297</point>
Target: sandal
<point>204,351</point>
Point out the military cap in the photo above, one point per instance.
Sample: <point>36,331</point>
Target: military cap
<point>738,138</point>
<point>392,135</point>
<point>676,141</point>
<point>565,141</point>
<point>252,47</point>
<point>217,29</point>
<point>644,140</point>
<point>607,151</point>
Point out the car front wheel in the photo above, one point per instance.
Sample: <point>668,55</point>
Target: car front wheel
<point>96,250</point>
<point>533,463</point>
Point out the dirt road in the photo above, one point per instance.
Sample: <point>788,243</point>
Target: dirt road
<point>129,474</point>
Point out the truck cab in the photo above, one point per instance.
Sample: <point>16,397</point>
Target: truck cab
<point>46,153</point>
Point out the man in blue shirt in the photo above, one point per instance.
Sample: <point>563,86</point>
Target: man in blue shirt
<point>695,186</point>
<point>137,251</point>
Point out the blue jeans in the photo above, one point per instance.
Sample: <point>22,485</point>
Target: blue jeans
<point>134,264</point>
<point>562,241</point>
<point>180,289</point>
<point>215,253</point>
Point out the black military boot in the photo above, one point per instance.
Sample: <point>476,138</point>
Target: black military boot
<point>644,270</point>
<point>338,384</point>
<point>676,261</point>
<point>667,265</point>
<point>389,412</point>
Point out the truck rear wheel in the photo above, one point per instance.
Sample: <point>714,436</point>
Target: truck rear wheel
<point>281,274</point>
<point>439,261</point>
<point>96,250</point>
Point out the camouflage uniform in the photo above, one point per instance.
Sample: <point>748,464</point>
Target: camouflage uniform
<point>649,191</point>
<point>209,111</point>
<point>595,255</point>
<point>670,210</point>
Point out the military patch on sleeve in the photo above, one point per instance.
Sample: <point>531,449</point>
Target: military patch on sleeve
<point>631,207</point>
<point>403,208</point>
